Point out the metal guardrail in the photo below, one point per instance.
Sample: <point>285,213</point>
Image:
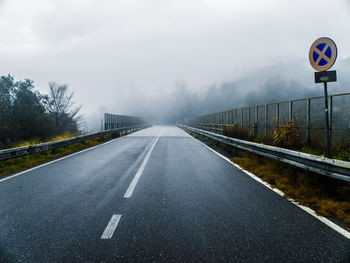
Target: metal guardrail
<point>216,128</point>
<point>42,147</point>
<point>113,121</point>
<point>329,167</point>
<point>307,114</point>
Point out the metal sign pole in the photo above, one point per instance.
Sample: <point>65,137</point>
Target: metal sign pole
<point>327,120</point>
<point>322,55</point>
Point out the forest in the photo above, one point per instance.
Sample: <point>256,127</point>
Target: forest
<point>27,114</point>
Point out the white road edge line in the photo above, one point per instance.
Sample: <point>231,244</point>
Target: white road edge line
<point>308,210</point>
<point>110,228</point>
<point>59,159</point>
<point>139,172</point>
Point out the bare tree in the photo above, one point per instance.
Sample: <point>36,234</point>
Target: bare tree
<point>61,107</point>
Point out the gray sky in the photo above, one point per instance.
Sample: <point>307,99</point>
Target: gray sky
<point>110,51</point>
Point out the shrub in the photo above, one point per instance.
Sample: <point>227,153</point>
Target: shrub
<point>341,151</point>
<point>237,132</point>
<point>288,136</point>
<point>317,141</point>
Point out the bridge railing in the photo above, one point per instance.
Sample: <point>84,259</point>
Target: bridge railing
<point>113,121</point>
<point>307,114</point>
<point>261,120</point>
<point>329,167</point>
<point>42,147</point>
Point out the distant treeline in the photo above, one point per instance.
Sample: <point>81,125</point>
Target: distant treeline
<point>268,84</point>
<point>184,103</point>
<point>26,114</point>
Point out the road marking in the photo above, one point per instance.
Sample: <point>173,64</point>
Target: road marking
<point>308,210</point>
<point>138,174</point>
<point>59,159</point>
<point>110,228</point>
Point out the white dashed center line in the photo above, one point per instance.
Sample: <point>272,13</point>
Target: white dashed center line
<point>112,225</point>
<point>138,174</point>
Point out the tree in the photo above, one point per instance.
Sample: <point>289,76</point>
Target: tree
<point>22,112</point>
<point>62,109</point>
<point>7,88</point>
<point>29,117</point>
<point>27,114</point>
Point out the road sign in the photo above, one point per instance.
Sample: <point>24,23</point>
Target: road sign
<point>323,54</point>
<point>325,76</point>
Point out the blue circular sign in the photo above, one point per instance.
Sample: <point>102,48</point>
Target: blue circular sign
<point>323,54</point>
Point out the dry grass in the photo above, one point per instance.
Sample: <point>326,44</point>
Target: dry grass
<point>328,197</point>
<point>238,132</point>
<point>341,148</point>
<point>15,165</point>
<point>53,139</point>
<point>288,136</point>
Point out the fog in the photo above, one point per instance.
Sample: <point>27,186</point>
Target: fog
<point>264,85</point>
<point>164,60</point>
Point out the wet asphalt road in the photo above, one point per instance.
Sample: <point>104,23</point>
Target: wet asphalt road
<point>189,205</point>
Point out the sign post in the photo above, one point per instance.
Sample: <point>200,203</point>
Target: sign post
<point>322,56</point>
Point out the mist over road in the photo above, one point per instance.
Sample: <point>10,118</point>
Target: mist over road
<point>157,195</point>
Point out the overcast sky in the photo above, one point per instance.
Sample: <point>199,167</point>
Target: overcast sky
<point>111,50</point>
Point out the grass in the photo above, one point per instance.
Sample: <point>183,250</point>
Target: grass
<point>238,132</point>
<point>37,141</point>
<point>289,136</point>
<point>327,196</point>
<point>21,163</point>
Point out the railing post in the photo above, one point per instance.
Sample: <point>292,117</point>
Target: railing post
<point>222,120</point>
<point>290,119</point>
<point>217,119</point>
<point>266,118</point>
<point>277,114</point>
<point>308,121</point>
<point>330,118</point>
<point>236,120</point>
<point>256,121</point>
<point>249,120</point>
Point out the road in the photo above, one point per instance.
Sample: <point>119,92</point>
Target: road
<point>157,195</point>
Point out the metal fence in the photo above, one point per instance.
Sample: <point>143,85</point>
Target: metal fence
<point>112,121</point>
<point>308,114</point>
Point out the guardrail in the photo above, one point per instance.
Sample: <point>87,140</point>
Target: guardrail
<point>113,121</point>
<point>216,128</point>
<point>42,147</point>
<point>307,114</point>
<point>329,167</point>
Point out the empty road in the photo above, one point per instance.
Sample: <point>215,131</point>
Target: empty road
<point>157,195</point>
